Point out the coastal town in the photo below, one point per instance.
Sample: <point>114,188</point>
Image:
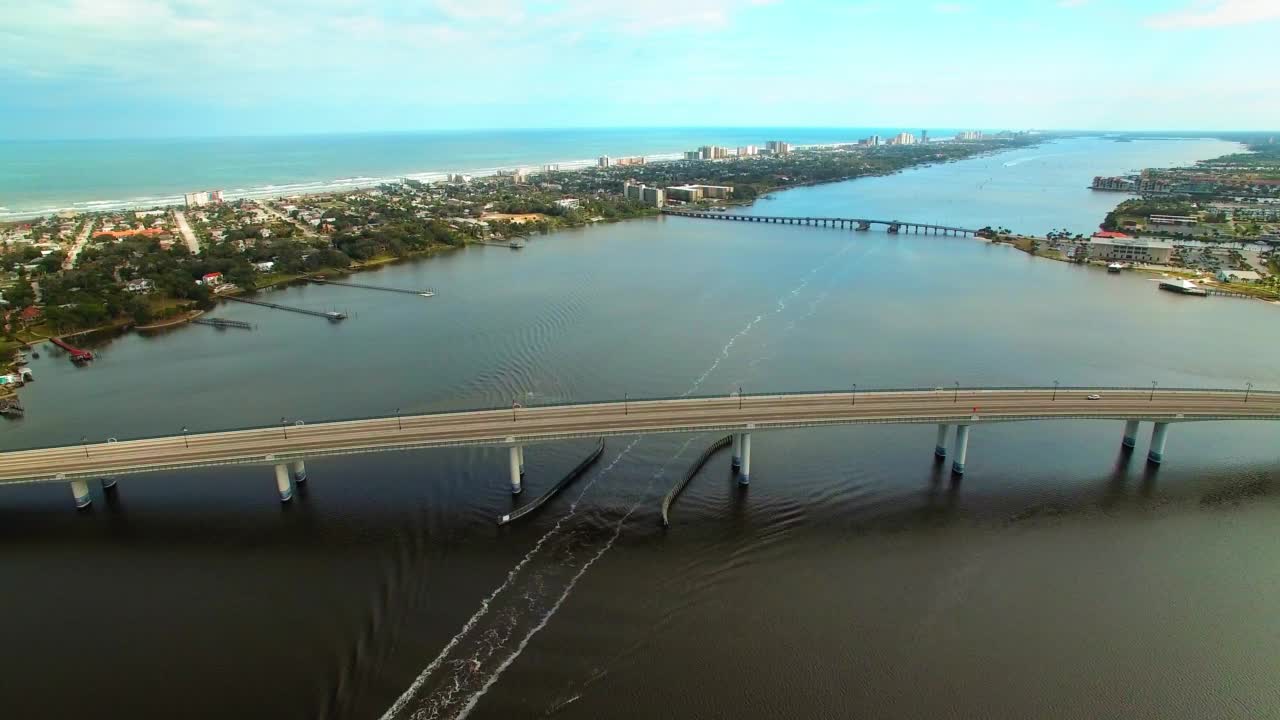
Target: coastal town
<point>150,268</point>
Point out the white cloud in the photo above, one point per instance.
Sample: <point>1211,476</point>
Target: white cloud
<point>1217,13</point>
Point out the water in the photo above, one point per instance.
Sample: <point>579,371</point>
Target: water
<point>852,578</point>
<point>40,177</point>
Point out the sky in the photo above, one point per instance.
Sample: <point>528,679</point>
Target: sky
<point>143,68</point>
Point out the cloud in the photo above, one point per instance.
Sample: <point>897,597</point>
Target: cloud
<point>1217,13</point>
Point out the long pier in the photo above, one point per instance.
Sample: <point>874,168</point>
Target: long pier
<point>715,447</point>
<point>891,226</point>
<point>331,315</point>
<point>221,323</point>
<point>962,410</point>
<point>426,292</point>
<point>555,490</point>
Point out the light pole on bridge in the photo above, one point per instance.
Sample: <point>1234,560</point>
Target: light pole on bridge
<point>1247,387</point>
<point>399,426</point>
<point>83,443</point>
<point>1055,390</point>
<point>739,397</point>
<point>854,401</point>
<point>625,399</point>
<point>185,444</point>
<point>955,396</point>
<point>1152,396</point>
<point>284,425</point>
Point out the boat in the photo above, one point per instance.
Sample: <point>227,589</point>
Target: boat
<point>1184,287</point>
<point>1115,267</point>
<point>516,244</point>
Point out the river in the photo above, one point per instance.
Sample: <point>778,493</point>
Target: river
<point>852,578</point>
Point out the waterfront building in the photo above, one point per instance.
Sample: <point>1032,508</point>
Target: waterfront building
<point>694,193</point>
<point>1238,276</point>
<point>903,138</point>
<point>1119,184</point>
<point>748,150</point>
<point>653,196</point>
<point>634,160</point>
<point>210,280</point>
<point>778,147</point>
<point>603,161</point>
<point>691,155</point>
<point>568,203</point>
<point>969,136</point>
<point>1125,249</point>
<point>552,167</point>
<point>202,197</point>
<point>924,137</point>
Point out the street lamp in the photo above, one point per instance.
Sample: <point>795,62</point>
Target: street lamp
<point>1247,387</point>
<point>514,405</point>
<point>1055,389</point>
<point>398,425</point>
<point>625,398</point>
<point>955,396</point>
<point>854,401</point>
<point>739,397</point>
<point>84,440</point>
<point>1153,391</point>
<point>284,425</point>
<point>185,444</point>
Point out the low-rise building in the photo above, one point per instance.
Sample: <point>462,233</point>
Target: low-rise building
<point>141,286</point>
<point>1238,276</point>
<point>265,266</point>
<point>694,193</point>
<point>568,203</point>
<point>1130,250</point>
<point>211,280</point>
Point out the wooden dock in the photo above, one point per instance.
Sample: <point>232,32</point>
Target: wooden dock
<point>426,292</point>
<point>331,315</point>
<point>220,323</point>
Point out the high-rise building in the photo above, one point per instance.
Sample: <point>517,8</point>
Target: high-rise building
<point>778,147</point>
<point>603,161</point>
<point>747,150</point>
<point>203,197</point>
<point>924,136</point>
<point>903,138</point>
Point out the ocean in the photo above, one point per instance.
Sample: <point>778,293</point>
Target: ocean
<point>41,177</point>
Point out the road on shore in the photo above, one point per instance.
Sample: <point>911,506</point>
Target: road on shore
<point>193,244</point>
<point>562,422</point>
<point>77,246</point>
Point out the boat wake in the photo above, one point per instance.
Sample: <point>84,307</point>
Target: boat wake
<point>541,581</point>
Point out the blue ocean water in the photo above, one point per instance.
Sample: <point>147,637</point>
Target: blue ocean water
<point>42,176</point>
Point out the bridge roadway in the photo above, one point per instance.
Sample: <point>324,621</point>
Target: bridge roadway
<point>279,445</point>
<point>893,226</point>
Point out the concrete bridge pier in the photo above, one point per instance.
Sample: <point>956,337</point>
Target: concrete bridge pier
<point>284,482</point>
<point>744,475</point>
<point>80,491</point>
<point>299,471</point>
<point>737,450</point>
<point>514,456</point>
<point>940,445</point>
<point>520,448</point>
<point>1130,434</point>
<point>1159,433</point>
<point>107,482</point>
<point>962,449</point>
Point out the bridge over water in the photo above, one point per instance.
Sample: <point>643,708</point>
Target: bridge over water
<point>287,447</point>
<point>892,226</point>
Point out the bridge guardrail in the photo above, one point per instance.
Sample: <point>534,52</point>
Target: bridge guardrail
<point>707,396</point>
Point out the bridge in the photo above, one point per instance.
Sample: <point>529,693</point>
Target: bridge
<point>287,447</point>
<point>892,226</point>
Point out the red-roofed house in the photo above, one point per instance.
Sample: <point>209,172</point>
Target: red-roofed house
<point>1109,235</point>
<point>211,280</point>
